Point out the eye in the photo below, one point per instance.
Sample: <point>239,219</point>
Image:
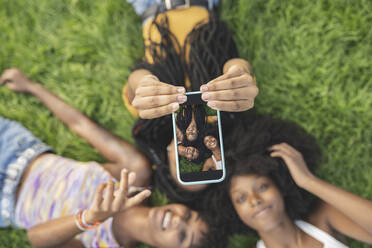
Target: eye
<point>241,199</point>
<point>182,236</point>
<point>187,216</point>
<point>263,187</point>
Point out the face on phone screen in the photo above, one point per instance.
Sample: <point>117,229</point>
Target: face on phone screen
<point>199,147</point>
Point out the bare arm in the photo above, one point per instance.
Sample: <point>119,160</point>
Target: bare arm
<point>344,211</point>
<point>61,231</point>
<point>109,145</point>
<point>209,164</point>
<point>55,233</point>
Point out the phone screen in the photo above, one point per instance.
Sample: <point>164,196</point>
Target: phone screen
<point>198,141</point>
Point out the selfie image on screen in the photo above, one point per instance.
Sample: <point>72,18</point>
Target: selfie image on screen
<point>197,137</point>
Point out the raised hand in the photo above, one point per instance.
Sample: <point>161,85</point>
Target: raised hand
<point>294,161</point>
<point>15,80</point>
<point>155,99</point>
<point>108,203</point>
<point>234,91</point>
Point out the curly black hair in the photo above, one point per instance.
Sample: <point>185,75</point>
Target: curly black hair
<point>215,236</point>
<point>246,153</point>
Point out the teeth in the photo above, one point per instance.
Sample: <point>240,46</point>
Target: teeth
<point>166,219</point>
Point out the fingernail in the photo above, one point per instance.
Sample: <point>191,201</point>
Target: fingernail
<point>205,96</point>
<point>204,88</point>
<point>124,170</point>
<point>148,193</point>
<point>181,90</point>
<point>211,104</point>
<point>175,106</point>
<point>181,99</point>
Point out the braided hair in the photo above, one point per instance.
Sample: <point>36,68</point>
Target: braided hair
<point>210,45</point>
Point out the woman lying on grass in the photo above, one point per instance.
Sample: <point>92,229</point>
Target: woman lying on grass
<point>42,192</point>
<point>187,48</point>
<point>272,190</point>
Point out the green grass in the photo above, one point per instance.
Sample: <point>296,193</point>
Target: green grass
<point>312,60</point>
<point>187,166</point>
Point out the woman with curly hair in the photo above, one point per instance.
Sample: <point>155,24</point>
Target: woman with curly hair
<point>275,193</point>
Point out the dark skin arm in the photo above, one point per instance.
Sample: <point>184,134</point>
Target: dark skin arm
<point>209,164</point>
<point>341,210</point>
<point>112,147</point>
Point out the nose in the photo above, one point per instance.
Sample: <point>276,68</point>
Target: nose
<point>255,200</point>
<point>176,221</point>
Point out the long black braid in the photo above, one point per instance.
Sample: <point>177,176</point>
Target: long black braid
<point>211,45</point>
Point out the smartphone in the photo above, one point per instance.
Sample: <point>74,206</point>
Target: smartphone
<point>198,142</point>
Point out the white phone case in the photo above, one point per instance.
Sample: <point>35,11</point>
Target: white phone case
<point>221,147</point>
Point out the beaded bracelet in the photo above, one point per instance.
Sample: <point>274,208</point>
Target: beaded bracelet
<point>81,223</point>
<point>97,223</point>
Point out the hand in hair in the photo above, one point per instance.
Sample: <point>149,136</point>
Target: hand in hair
<point>234,91</point>
<point>154,99</point>
<point>105,206</point>
<point>294,161</point>
<point>15,80</point>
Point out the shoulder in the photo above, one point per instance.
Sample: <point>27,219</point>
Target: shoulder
<point>319,216</point>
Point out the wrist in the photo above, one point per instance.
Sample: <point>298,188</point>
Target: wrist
<point>309,182</point>
<point>89,217</point>
<point>33,87</point>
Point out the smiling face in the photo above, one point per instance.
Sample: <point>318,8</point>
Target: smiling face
<point>210,142</point>
<point>192,130</point>
<point>173,170</point>
<point>258,201</point>
<point>189,152</point>
<point>175,225</point>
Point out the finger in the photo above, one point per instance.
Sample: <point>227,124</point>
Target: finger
<point>231,94</point>
<point>290,149</point>
<point>232,106</point>
<point>159,111</point>
<point>4,82</point>
<point>231,83</point>
<point>159,90</point>
<point>281,155</point>
<point>154,83</point>
<point>4,79</point>
<point>157,101</point>
<point>284,147</point>
<point>287,159</point>
<point>227,75</point>
<point>137,198</point>
<point>98,196</point>
<point>131,178</point>
<point>107,201</point>
<point>124,180</point>
<point>122,193</point>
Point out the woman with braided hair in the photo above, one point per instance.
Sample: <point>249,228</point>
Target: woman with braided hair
<point>187,48</point>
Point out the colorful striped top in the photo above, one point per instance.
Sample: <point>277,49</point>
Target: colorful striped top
<point>57,187</point>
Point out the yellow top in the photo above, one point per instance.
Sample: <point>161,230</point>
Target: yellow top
<point>181,22</point>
